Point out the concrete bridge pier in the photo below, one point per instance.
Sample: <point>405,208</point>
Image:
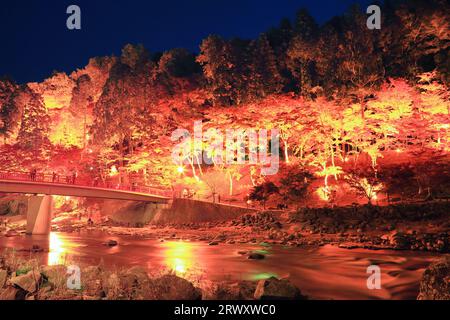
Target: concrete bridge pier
<point>39,214</point>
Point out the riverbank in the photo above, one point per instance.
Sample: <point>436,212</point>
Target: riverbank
<point>419,227</point>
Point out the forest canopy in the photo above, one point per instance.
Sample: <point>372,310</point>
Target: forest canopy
<point>345,99</point>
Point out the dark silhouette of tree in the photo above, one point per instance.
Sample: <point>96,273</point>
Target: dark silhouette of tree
<point>279,39</point>
<point>178,63</point>
<point>301,54</point>
<point>294,182</point>
<point>135,56</point>
<point>263,192</point>
<point>264,75</point>
<point>399,180</point>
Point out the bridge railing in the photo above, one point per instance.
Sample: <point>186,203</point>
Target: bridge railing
<point>78,181</point>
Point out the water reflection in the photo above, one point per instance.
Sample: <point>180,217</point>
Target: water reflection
<point>178,256</point>
<point>263,275</point>
<point>59,248</point>
<point>327,272</point>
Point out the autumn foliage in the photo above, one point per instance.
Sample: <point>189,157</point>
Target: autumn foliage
<point>359,112</point>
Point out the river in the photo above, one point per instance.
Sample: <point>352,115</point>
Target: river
<point>326,272</point>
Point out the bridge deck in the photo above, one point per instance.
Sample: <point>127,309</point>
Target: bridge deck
<point>32,187</point>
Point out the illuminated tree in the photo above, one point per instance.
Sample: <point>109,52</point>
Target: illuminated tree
<point>34,127</point>
<point>81,105</point>
<point>9,110</point>
<point>225,66</point>
<point>294,180</point>
<point>364,181</point>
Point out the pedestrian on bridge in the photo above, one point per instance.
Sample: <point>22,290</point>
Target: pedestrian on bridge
<point>33,174</point>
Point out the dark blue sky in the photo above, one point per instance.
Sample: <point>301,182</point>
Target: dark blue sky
<point>35,40</point>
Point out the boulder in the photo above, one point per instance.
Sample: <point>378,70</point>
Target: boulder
<point>435,283</point>
<point>171,287</point>
<point>3,277</point>
<point>29,282</point>
<point>275,289</point>
<point>56,275</point>
<point>242,290</point>
<point>12,293</point>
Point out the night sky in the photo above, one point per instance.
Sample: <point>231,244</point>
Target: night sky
<point>35,40</point>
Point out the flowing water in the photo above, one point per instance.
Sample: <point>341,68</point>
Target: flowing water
<point>326,272</point>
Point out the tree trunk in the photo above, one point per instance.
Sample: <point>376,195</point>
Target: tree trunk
<point>191,162</point>
<point>286,153</point>
<point>231,183</point>
<point>199,165</point>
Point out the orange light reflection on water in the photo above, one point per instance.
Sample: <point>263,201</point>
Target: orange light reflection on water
<point>59,248</point>
<point>179,256</point>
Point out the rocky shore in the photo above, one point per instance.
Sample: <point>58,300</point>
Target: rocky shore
<point>435,283</point>
<point>25,280</point>
<point>420,227</point>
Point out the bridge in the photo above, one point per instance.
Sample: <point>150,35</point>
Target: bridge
<point>41,188</point>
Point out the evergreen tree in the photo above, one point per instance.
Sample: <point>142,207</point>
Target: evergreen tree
<point>8,108</point>
<point>177,63</point>
<point>264,74</point>
<point>302,51</point>
<point>34,127</point>
<point>225,66</point>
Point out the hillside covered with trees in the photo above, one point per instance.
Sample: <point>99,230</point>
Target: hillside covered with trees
<point>363,114</point>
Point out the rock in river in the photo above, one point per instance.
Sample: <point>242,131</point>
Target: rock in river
<point>256,256</point>
<point>111,243</point>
